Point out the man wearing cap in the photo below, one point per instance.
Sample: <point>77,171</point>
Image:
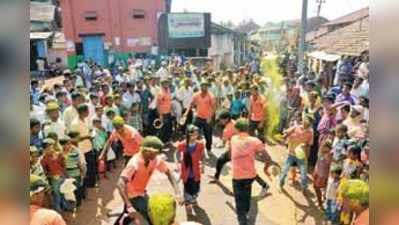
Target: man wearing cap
<point>164,107</point>
<point>38,214</point>
<point>205,106</point>
<point>256,115</point>
<point>130,138</point>
<point>134,178</point>
<point>54,124</point>
<point>82,125</point>
<point>244,149</point>
<point>71,112</point>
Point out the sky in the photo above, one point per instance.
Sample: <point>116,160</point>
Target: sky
<point>262,11</point>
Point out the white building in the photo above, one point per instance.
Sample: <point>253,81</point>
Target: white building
<point>228,47</point>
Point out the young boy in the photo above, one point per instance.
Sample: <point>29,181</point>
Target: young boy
<point>299,135</point>
<point>236,106</point>
<point>73,166</point>
<point>340,143</point>
<point>54,167</point>
<point>332,209</point>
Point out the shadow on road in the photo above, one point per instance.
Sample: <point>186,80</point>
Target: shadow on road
<point>310,210</point>
<point>200,216</point>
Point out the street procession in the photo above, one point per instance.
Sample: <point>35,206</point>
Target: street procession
<point>173,112</point>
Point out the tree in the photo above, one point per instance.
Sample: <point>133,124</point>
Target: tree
<point>228,24</point>
<point>247,26</point>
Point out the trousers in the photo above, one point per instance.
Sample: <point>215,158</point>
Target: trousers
<point>206,130</point>
<point>242,195</point>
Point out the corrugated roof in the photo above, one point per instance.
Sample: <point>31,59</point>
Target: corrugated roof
<point>351,17</point>
<point>352,39</point>
<point>41,12</point>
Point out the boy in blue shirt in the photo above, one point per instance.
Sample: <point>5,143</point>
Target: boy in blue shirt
<point>236,106</point>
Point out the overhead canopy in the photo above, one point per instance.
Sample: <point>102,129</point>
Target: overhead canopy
<point>324,56</point>
<point>40,35</point>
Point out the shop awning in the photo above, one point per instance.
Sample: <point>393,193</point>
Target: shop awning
<point>40,35</point>
<point>324,56</point>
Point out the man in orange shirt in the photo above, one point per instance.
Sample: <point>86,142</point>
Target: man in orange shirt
<point>136,175</point>
<point>244,149</point>
<point>130,138</point>
<point>228,132</point>
<point>164,107</point>
<point>256,115</point>
<point>38,214</point>
<point>205,104</point>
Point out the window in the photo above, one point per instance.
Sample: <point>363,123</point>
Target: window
<point>138,14</point>
<point>90,15</point>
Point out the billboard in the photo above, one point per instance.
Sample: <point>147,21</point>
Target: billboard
<point>184,31</point>
<point>186,25</point>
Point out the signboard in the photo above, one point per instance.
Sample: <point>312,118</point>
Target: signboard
<point>41,12</point>
<point>186,25</point>
<point>140,41</point>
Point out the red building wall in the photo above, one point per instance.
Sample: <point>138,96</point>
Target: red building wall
<point>114,20</point>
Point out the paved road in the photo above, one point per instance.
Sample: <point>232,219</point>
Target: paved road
<point>217,205</point>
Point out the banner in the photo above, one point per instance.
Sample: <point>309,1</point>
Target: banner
<point>186,25</point>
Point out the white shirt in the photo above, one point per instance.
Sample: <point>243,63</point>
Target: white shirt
<point>177,109</point>
<point>128,99</point>
<point>55,127</point>
<point>154,91</point>
<point>186,96</point>
<point>70,114</point>
<point>38,113</point>
<point>162,73</point>
<point>83,127</point>
<point>332,187</point>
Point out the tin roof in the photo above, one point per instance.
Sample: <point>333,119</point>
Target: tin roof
<point>351,17</point>
<point>352,39</point>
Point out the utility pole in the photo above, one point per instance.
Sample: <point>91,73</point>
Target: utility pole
<point>320,3</point>
<point>302,34</point>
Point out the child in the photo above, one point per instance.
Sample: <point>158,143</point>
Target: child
<point>340,143</point>
<point>73,166</point>
<point>320,174</point>
<point>236,106</point>
<point>332,209</point>
<point>300,132</point>
<point>36,167</point>
<point>54,136</point>
<point>74,139</point>
<point>352,164</point>
<point>54,168</point>
<point>191,156</point>
<point>100,137</point>
<point>135,119</point>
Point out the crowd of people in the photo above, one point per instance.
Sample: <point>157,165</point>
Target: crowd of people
<point>84,127</point>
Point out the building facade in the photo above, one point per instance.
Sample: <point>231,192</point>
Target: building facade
<point>96,30</point>
<point>228,47</point>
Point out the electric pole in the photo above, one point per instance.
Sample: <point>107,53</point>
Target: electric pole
<point>320,3</point>
<point>302,36</point>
